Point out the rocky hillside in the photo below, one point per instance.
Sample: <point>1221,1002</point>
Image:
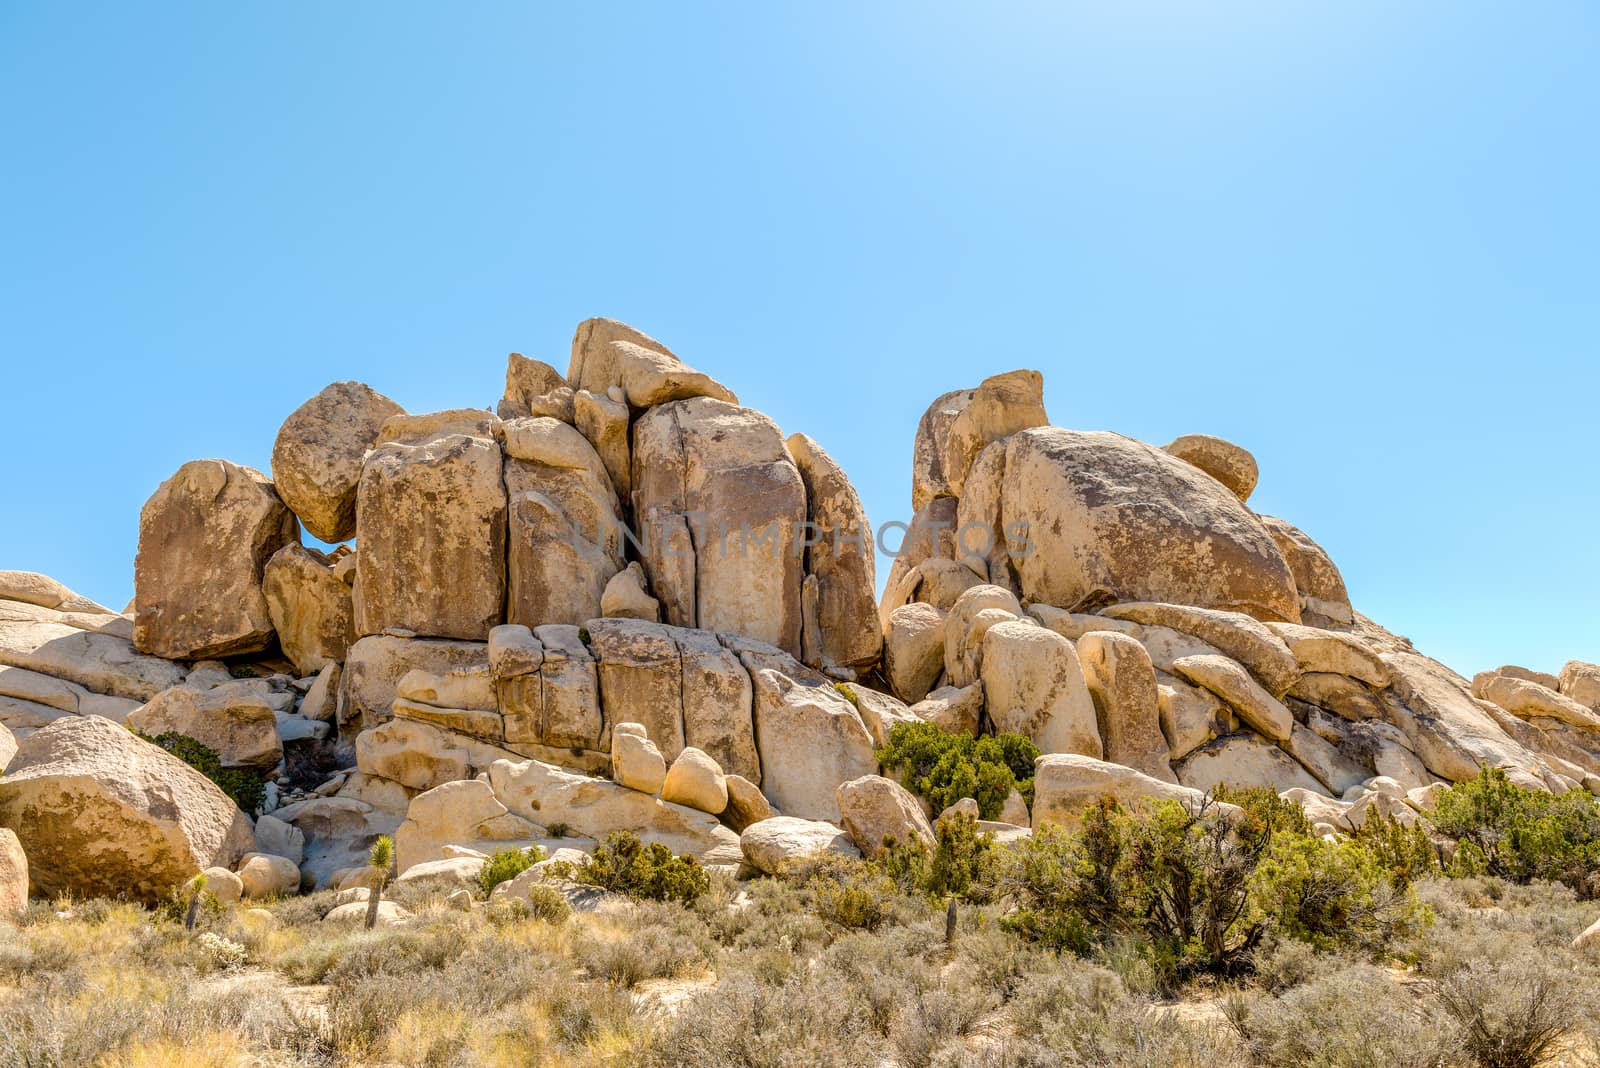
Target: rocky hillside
<point>622,600</point>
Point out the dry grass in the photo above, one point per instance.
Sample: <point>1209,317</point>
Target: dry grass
<point>761,979</point>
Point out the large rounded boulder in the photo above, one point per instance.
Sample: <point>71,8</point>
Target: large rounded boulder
<point>100,813</point>
<point>1093,518</point>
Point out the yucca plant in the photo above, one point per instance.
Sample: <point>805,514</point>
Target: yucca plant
<point>197,890</point>
<point>381,860</point>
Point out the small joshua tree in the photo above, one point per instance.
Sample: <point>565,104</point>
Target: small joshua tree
<point>381,859</point>
<point>197,890</point>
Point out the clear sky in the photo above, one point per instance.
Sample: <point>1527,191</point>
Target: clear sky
<point>1360,239</point>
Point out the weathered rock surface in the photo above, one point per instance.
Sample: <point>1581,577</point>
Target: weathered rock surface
<point>954,710</point>
<point>1245,760</point>
<point>263,876</point>
<point>1122,682</point>
<point>636,761</point>
<point>1581,682</point>
<point>445,577</point>
<point>310,607</point>
<point>695,780</point>
<point>1529,700</point>
<point>376,664</point>
<point>30,587</point>
<point>102,814</point>
<point>205,537</point>
<point>235,719</point>
<point>773,844</point>
<point>1112,519</point>
<point>1224,461</point>
<point>1229,681</point>
<point>914,650</point>
<point>811,739</point>
<point>725,473</point>
<point>316,459</point>
<point>1234,634</point>
<point>746,803</point>
<point>1064,784</point>
<point>13,873</point>
<point>1324,601</point>
<point>876,810</point>
<point>839,557</point>
<point>464,813</point>
<point>1034,686</point>
<point>564,531</point>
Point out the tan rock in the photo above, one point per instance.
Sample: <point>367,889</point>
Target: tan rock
<point>316,459</point>
<point>529,383</point>
<point>746,803</point>
<point>1335,771</point>
<point>1034,686</point>
<point>1527,700</point>
<point>30,587</point>
<point>1001,405</point>
<point>546,794</point>
<point>309,606</point>
<point>1234,634</point>
<point>594,364</point>
<point>1581,682</point>
<point>8,746</point>
<point>636,761</point>
<point>980,535</point>
<point>13,873</point>
<point>280,839</point>
<point>570,691</point>
<point>817,721</point>
<point>321,702</point>
<point>564,532</point>
<point>695,780</point>
<point>876,811</point>
<point>1111,519</point>
<point>1229,681</point>
<point>879,712</point>
<point>718,702</point>
<point>1245,760</point>
<point>929,478</point>
<point>641,678</point>
<point>204,538</point>
<point>1127,705</point>
<point>964,634</point>
<point>1542,678</point>
<point>727,469</point>
<point>1324,601</point>
<point>954,710</point>
<point>1190,715</point>
<point>1589,939</point>
<point>444,578</point>
<point>914,650</point>
<point>930,535</point>
<point>1330,652</point>
<point>941,582</point>
<point>100,813</point>
<point>650,377</point>
<point>264,877</point>
<point>1074,625</point>
<point>413,754</point>
<point>376,664</point>
<point>234,719</point>
<point>625,596</point>
<point>1014,810</point>
<point>352,913</point>
<point>604,422</point>
<point>772,845</point>
<point>425,427</point>
<point>1065,784</point>
<point>1224,461</point>
<point>1444,726</point>
<point>221,884</point>
<point>464,813</point>
<point>1339,694</point>
<point>840,557</point>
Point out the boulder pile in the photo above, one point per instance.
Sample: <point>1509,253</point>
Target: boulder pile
<point>622,601</point>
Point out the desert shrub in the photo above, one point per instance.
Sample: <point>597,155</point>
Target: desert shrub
<point>625,957</point>
<point>247,789</point>
<point>852,893</point>
<point>558,829</point>
<point>1512,1014</point>
<point>1406,852</point>
<point>808,1020</point>
<point>961,862</point>
<point>1504,830</point>
<point>1352,1017</point>
<point>624,865</point>
<point>507,864</point>
<point>1269,813</point>
<point>943,768</point>
<point>547,904</point>
<point>1333,894</point>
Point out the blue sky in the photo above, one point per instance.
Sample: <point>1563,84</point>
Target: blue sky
<point>1359,239</point>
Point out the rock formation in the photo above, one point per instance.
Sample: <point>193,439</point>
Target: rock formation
<point>623,601</point>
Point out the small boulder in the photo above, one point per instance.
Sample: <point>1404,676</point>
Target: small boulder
<point>1034,687</point>
<point>1231,682</point>
<point>913,650</point>
<point>773,844</point>
<point>875,809</point>
<point>265,876</point>
<point>625,596</point>
<point>223,885</point>
<point>697,781</point>
<point>746,803</point>
<point>236,719</point>
<point>636,762</point>
<point>316,459</point>
<point>1224,461</point>
<point>1065,784</point>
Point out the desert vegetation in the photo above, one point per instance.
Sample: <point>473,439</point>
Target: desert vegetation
<point>1215,935</point>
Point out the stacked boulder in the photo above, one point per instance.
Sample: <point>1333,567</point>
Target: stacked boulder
<point>623,601</point>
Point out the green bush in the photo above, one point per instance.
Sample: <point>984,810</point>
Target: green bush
<point>1334,895</point>
<point>843,890</point>
<point>960,864</point>
<point>625,865</point>
<point>507,864</point>
<point>943,768</point>
<point>1522,835</point>
<point>247,789</point>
